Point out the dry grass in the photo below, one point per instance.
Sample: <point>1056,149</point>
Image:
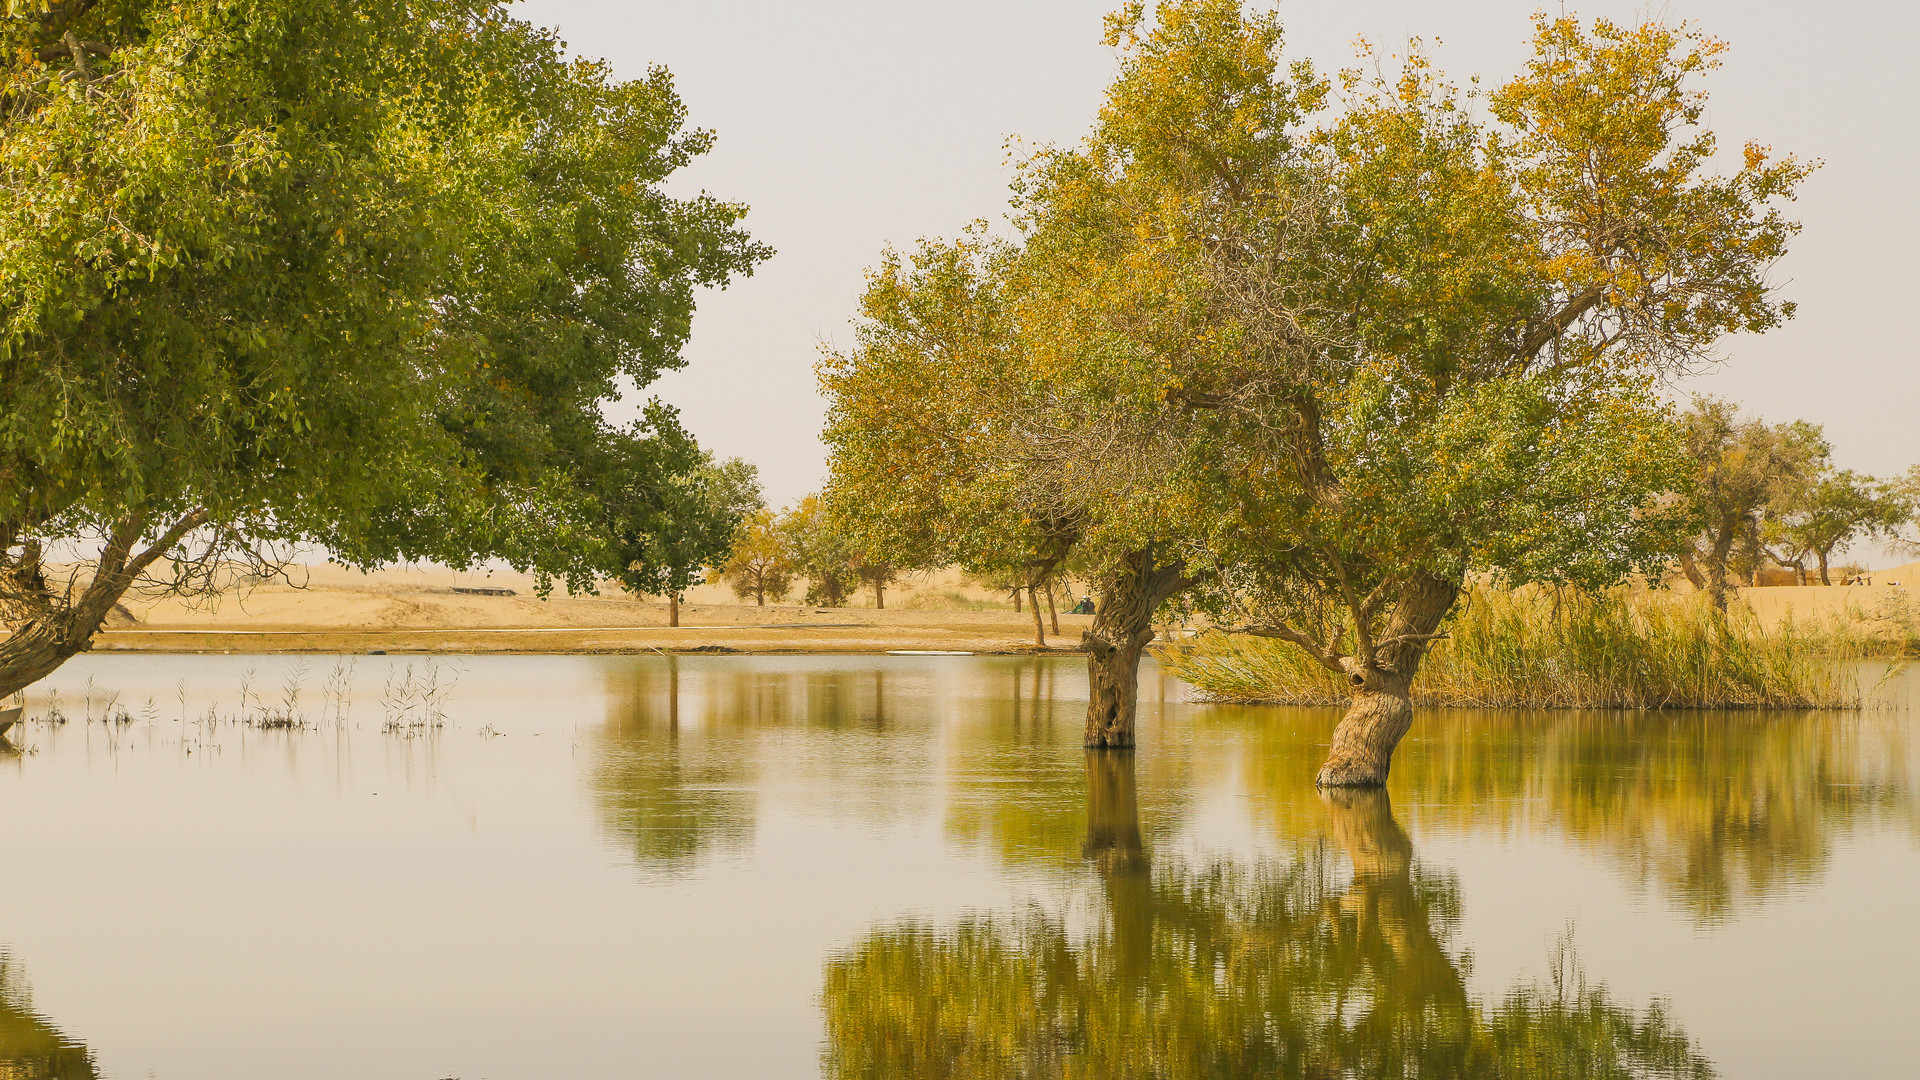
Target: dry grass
<point>1621,649</point>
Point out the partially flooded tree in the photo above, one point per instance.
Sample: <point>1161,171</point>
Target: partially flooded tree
<point>1439,336</point>
<point>958,438</point>
<point>301,271</point>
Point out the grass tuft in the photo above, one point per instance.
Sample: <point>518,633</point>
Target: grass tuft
<point>1620,649</point>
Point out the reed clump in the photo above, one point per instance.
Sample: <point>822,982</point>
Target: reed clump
<point>1532,648</point>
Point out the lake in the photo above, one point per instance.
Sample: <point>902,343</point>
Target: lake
<point>793,866</point>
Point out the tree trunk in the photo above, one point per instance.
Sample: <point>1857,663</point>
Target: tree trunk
<point>56,631</point>
<point>1053,613</point>
<point>1382,708</point>
<point>1122,627</point>
<point>1017,609</point>
<point>1824,579</point>
<point>1716,568</point>
<point>1039,630</point>
<point>879,595</point>
<point>673,609</point>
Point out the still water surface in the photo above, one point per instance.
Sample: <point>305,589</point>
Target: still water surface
<point>905,866</point>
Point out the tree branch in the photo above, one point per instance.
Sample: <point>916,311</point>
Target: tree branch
<point>1544,333</point>
<point>75,50</point>
<point>1400,638</point>
<point>1327,657</point>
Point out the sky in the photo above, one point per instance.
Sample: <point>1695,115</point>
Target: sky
<point>852,125</point>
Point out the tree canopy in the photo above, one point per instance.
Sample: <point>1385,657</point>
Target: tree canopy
<point>360,274</point>
<point>1322,354</point>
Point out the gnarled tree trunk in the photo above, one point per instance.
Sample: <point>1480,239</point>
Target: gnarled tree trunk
<point>1039,630</point>
<point>1122,628</point>
<point>1382,708</point>
<point>48,629</point>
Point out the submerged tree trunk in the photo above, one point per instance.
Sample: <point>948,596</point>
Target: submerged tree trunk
<point>1122,627</point>
<point>1382,707</point>
<point>1039,630</point>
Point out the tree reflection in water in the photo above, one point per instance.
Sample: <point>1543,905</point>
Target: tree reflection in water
<point>1715,812</point>
<point>30,1048</point>
<point>690,751</point>
<point>1290,968</point>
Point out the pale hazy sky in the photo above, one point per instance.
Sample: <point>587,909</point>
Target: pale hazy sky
<point>848,125</point>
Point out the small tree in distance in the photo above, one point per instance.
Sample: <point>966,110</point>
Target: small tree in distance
<point>761,564</point>
<point>670,530</point>
<point>821,551</point>
<point>1833,511</point>
<point>1742,468</point>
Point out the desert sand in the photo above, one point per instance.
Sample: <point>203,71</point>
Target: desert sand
<point>334,609</point>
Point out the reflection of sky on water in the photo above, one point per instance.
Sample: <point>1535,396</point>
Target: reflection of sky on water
<point>600,864</point>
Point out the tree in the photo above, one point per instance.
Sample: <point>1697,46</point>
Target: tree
<point>822,552</point>
<point>1429,341</point>
<point>353,274</point>
<point>1834,510</point>
<point>1906,536</point>
<point>956,441</point>
<point>761,563</point>
<point>671,524</point>
<point>1744,471</point>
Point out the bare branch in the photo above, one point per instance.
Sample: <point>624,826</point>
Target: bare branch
<point>1328,658</point>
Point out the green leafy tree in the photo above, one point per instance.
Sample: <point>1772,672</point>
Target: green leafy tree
<point>1832,512</point>
<point>357,274</point>
<point>1427,339</point>
<point>671,523</point>
<point>823,553</point>
<point>1906,535</point>
<point>761,563</point>
<point>955,441</point>
<point>1745,471</point>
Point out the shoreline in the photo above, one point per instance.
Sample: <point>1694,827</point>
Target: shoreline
<point>747,639</point>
